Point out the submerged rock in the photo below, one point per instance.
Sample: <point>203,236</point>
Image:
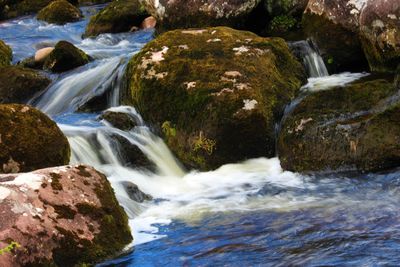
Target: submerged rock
<point>352,128</point>
<point>118,16</point>
<point>135,193</point>
<point>29,140</point>
<point>65,56</point>
<point>119,120</point>
<point>181,14</point>
<point>60,12</point>
<point>216,93</point>
<point>5,54</point>
<point>18,85</point>
<point>64,216</point>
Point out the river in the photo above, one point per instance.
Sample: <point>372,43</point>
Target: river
<point>246,214</point>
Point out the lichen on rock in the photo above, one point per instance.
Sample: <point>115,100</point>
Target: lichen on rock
<point>219,99</point>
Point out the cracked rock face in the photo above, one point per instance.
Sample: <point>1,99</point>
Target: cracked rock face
<point>215,93</point>
<point>65,216</point>
<point>198,13</point>
<point>342,129</point>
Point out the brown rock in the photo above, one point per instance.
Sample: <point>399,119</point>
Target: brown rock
<point>60,217</point>
<point>149,23</point>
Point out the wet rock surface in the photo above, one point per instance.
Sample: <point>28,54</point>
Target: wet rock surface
<point>65,56</point>
<point>352,128</point>
<point>64,216</point>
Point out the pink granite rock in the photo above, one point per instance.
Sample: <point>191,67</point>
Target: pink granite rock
<point>64,216</point>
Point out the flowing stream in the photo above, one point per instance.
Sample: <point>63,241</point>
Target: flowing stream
<point>246,214</point>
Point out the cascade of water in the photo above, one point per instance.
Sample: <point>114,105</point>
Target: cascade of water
<point>312,61</point>
<point>80,85</point>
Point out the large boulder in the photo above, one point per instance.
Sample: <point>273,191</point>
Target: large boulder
<point>351,128</point>
<point>64,216</point>
<point>216,93</point>
<point>29,140</point>
<point>18,85</point>
<point>338,26</point>
<point>380,34</point>
<point>65,56</point>
<point>333,26</point>
<point>118,16</point>
<point>59,12</point>
<point>5,54</point>
<point>180,14</point>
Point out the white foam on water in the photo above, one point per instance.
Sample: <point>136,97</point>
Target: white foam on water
<point>328,82</point>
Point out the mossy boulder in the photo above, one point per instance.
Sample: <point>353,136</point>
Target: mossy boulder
<point>59,12</point>
<point>5,54</point>
<point>215,93</point>
<point>65,56</point>
<point>181,14</point>
<point>30,140</point>
<point>18,85</point>
<point>72,218</point>
<point>352,128</point>
<point>118,16</point>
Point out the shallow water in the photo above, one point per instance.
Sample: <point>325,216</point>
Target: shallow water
<point>246,214</point>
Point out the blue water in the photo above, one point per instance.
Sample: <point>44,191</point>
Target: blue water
<point>265,219</point>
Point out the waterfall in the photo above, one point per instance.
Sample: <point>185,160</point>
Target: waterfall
<point>312,61</point>
<point>76,88</point>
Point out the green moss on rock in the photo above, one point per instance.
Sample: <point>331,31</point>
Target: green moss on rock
<point>60,12</point>
<point>114,232</point>
<point>29,140</point>
<point>219,89</point>
<point>17,85</point>
<point>65,56</point>
<point>118,16</point>
<point>5,54</point>
<point>351,128</point>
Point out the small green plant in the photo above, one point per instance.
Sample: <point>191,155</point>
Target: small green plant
<point>330,60</point>
<point>8,249</point>
<point>201,142</point>
<point>283,23</point>
<point>168,130</point>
